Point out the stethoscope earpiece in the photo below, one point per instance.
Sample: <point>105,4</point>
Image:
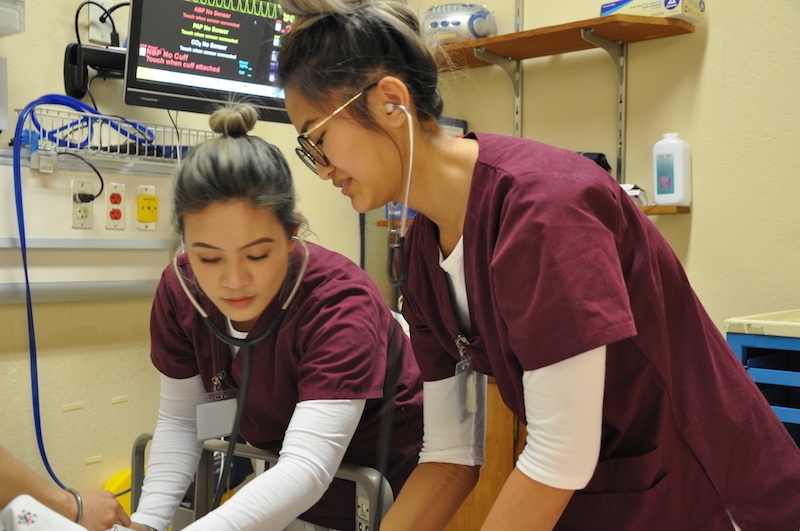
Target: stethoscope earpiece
<point>391,107</point>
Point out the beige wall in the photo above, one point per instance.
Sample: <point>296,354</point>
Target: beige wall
<point>730,89</point>
<point>96,353</point>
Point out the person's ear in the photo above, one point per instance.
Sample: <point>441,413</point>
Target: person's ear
<point>392,95</point>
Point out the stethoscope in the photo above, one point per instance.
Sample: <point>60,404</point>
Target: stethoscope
<point>398,244</point>
<point>245,346</point>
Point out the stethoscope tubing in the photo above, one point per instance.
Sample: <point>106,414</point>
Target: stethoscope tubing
<point>400,241</point>
<point>245,350</point>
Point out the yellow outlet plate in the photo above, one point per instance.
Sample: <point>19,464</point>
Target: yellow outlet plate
<point>146,208</point>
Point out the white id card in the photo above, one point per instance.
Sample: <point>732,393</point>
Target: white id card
<point>215,413</point>
<point>466,389</point>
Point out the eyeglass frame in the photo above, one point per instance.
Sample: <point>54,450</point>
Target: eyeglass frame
<point>307,155</point>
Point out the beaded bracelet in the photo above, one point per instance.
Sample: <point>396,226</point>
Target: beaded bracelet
<point>79,501</point>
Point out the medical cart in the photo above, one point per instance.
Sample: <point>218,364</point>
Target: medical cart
<point>768,345</point>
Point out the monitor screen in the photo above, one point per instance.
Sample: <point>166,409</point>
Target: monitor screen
<point>193,55</point>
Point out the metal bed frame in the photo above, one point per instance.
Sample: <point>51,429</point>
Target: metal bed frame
<point>368,481</point>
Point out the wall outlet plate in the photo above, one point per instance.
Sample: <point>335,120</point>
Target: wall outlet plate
<point>115,206</point>
<point>82,212</point>
<point>146,207</point>
<point>99,32</point>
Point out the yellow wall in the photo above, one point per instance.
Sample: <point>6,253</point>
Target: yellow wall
<point>729,89</point>
<point>97,352</point>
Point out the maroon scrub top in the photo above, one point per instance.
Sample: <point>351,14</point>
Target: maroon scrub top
<point>335,342</point>
<point>558,261</point>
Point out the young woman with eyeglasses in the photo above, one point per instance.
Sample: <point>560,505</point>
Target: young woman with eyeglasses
<point>334,381</point>
<point>530,264</point>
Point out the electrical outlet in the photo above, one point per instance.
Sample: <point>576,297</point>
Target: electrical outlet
<point>146,207</point>
<point>115,206</point>
<point>82,211</point>
<point>99,32</point>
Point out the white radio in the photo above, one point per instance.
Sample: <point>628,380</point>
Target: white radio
<point>449,23</point>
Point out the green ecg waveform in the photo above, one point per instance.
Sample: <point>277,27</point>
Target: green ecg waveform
<point>258,8</point>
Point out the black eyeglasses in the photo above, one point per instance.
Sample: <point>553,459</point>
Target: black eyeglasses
<point>308,151</point>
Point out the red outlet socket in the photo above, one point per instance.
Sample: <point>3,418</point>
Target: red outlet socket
<point>115,206</point>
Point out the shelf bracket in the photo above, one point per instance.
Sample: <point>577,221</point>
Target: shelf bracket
<point>619,55</point>
<point>512,68</point>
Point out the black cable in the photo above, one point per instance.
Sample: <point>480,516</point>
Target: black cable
<point>82,197</point>
<point>114,34</point>
<point>175,124</point>
<point>227,461</point>
<point>89,90</point>
<point>362,229</point>
<point>391,377</point>
<point>113,8</point>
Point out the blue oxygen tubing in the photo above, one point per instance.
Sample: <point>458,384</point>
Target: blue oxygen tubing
<point>92,119</point>
<point>19,135</point>
<point>138,138</point>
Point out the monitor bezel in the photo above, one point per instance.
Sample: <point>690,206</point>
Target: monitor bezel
<point>177,97</point>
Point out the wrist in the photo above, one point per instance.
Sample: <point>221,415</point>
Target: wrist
<point>68,505</point>
<point>78,504</point>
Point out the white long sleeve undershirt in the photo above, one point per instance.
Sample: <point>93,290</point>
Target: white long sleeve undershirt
<point>314,445</point>
<point>564,411</point>
<point>563,408</point>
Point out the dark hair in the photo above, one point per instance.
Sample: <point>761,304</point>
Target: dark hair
<point>235,166</point>
<point>341,46</point>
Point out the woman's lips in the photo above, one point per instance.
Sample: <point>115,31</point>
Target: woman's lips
<point>239,302</point>
<point>345,186</point>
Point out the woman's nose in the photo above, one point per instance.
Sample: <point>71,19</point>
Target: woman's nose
<point>235,276</point>
<point>325,172</point>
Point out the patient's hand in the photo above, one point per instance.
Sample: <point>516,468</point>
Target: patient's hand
<point>101,511</point>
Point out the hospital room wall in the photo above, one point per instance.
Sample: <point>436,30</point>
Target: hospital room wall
<point>729,89</point>
<point>98,388</point>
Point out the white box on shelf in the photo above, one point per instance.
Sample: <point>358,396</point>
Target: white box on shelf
<point>693,11</point>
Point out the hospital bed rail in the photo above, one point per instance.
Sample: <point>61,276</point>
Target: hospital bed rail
<point>373,492</point>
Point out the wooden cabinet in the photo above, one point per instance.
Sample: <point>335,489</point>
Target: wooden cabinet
<point>505,437</point>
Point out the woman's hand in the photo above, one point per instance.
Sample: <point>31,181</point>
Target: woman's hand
<point>101,511</point>
<point>140,527</point>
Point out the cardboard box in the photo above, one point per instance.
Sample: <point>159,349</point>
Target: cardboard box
<point>689,10</point>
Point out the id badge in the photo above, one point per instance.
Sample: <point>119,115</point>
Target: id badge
<point>466,389</point>
<point>216,412</point>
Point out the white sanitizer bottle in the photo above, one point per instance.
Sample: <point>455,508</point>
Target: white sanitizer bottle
<point>672,171</point>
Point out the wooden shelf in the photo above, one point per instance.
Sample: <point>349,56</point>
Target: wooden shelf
<point>650,210</point>
<point>563,38</point>
<point>396,222</point>
<point>664,210</point>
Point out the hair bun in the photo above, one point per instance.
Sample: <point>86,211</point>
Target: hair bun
<point>234,120</point>
<point>311,8</point>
